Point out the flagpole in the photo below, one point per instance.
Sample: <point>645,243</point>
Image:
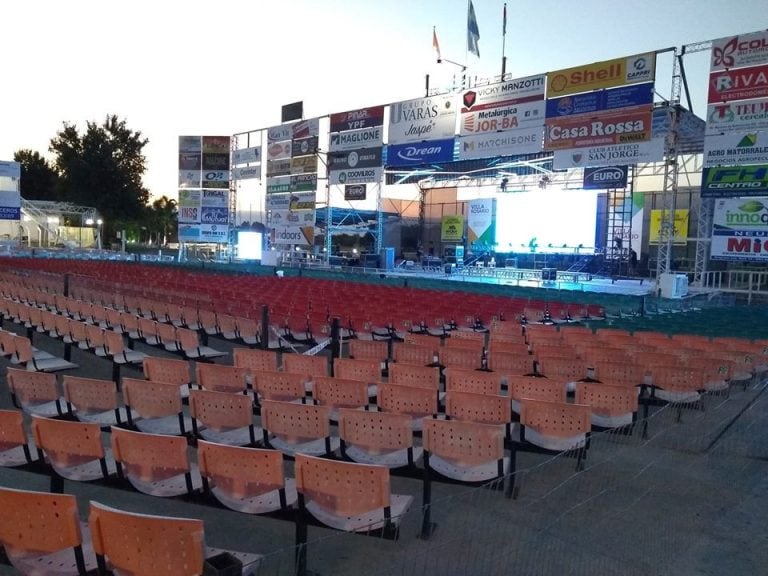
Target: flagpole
<point>504,44</point>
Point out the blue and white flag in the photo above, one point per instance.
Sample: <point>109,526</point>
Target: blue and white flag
<point>473,33</point>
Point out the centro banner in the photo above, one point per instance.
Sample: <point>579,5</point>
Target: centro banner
<point>481,223</point>
<point>740,229</point>
<point>734,181</point>
<point>452,228</point>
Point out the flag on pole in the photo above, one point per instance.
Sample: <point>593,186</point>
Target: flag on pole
<point>436,44</point>
<point>504,25</point>
<point>473,33</point>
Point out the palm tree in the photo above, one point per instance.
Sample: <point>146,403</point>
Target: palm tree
<point>163,219</point>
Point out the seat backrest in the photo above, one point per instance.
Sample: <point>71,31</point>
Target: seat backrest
<point>625,373</point>
<point>369,349</point>
<point>221,410</point>
<point>557,419</point>
<point>340,392</point>
<point>151,399</point>
<point>570,369</point>
<point>677,378</point>
<point>246,472</point>
<point>167,370</point>
<point>363,370</point>
<point>90,394</point>
<point>66,441</point>
<point>416,402</point>
<point>414,375</point>
<point>166,333</point>
<point>485,408</point>
<point>289,419</point>
<point>280,386</point>
<point>150,456</point>
<point>255,359</point>
<point>537,389</point>
<point>375,430</point>
<point>187,339</point>
<point>307,366</point>
<point>461,358</point>
<point>12,429</point>
<point>144,544</point>
<point>32,386</point>
<point>475,381</point>
<point>406,353</point>
<point>220,377</point>
<point>470,443</point>
<point>38,522</point>
<point>607,399</point>
<point>113,343</point>
<point>345,488</point>
<point>508,363</point>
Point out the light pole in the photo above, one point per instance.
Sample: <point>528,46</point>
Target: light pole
<point>99,222</point>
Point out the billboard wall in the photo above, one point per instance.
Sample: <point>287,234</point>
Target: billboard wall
<point>740,230</point>
<point>10,196</point>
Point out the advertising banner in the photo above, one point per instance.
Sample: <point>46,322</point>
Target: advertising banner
<point>356,176</point>
<point>278,167</point>
<point>352,139</point>
<point>304,146</point>
<point>481,223</point>
<point>292,218</point>
<point>680,227</point>
<point>303,183</point>
<point>216,161</point>
<point>190,144</point>
<point>217,198</point>
<point>189,232</point>
<point>740,84</point>
<point>743,116</point>
<point>635,153</point>
<point>297,201</point>
<point>190,161</point>
<point>190,178</point>
<point>614,127</point>
<point>452,228</point>
<point>358,158</point>
<point>305,128</point>
<point>303,164</point>
<point>279,150</point>
<point>431,118</point>
<point>190,197</point>
<point>357,119</point>
<point>216,145</point>
<point>354,192</point>
<point>734,181</point>
<point>733,149</point>
<point>246,172</point>
<point>214,215</point>
<point>278,184</point>
<point>430,151</point>
<point>502,118</point>
<point>601,100</point>
<point>608,177</point>
<point>246,155</point>
<point>214,233</point>
<point>740,229</point>
<point>740,51</point>
<point>280,133</point>
<point>525,141</point>
<point>10,196</point>
<point>189,214</point>
<point>606,74</point>
<point>292,235</point>
<point>510,92</point>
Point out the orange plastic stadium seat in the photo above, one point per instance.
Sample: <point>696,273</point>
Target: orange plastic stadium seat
<point>476,381</point>
<point>14,444</point>
<point>279,386</point>
<point>74,449</point>
<point>521,387</point>
<point>461,358</point>
<point>612,406</point>
<point>412,401</point>
<point>137,544</point>
<point>42,533</point>
<point>248,480</point>
<point>92,400</point>
<point>170,371</point>
<point>415,375</point>
<point>340,393</point>
<point>222,417</point>
<point>154,464</point>
<point>420,355</point>
<point>381,438</point>
<point>555,426</point>
<point>483,408</point>
<point>293,428</point>
<point>34,392</point>
<point>154,406</point>
<point>253,359</point>
<point>221,378</point>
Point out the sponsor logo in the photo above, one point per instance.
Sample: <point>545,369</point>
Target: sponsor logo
<point>431,151</point>
<point>735,181</point>
<point>738,51</point>
<point>606,74</point>
<point>354,192</point>
<point>608,128</point>
<point>357,119</point>
<point>356,138</point>
<point>470,98</point>
<point>603,178</point>
<point>741,84</point>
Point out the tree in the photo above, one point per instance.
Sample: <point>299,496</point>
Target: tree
<point>103,168</point>
<point>162,219</point>
<point>38,179</point>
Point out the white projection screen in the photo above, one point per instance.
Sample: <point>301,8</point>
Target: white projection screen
<point>555,220</point>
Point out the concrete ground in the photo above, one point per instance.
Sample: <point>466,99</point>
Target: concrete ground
<point>690,499</point>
